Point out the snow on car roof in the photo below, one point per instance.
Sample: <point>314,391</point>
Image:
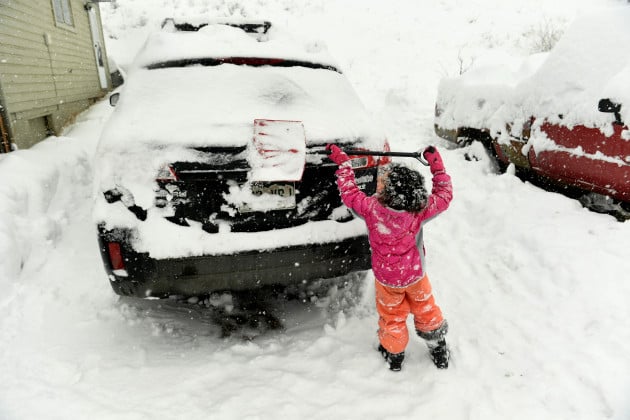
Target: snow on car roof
<point>223,40</point>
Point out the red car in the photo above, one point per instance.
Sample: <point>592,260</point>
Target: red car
<point>543,115</point>
<point>581,158</point>
<point>587,158</point>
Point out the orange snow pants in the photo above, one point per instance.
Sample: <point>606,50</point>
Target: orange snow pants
<point>394,304</point>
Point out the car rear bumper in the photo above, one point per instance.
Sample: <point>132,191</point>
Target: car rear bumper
<point>144,276</point>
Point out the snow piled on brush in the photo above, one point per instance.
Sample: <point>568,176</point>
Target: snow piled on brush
<point>534,286</point>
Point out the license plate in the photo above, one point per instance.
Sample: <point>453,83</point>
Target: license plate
<point>266,196</point>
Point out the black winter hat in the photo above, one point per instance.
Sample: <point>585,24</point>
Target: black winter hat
<point>403,189</point>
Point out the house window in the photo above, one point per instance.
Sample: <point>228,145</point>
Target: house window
<point>63,13</point>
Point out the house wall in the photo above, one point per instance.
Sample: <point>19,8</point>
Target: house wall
<point>48,71</point>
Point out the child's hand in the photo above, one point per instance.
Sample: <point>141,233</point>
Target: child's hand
<point>435,160</point>
<point>336,154</point>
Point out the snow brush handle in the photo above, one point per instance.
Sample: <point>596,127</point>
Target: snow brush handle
<point>417,155</point>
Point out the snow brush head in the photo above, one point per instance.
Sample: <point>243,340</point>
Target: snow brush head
<point>403,189</point>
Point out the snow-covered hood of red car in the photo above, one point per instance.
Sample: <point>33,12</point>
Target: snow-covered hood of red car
<point>563,86</point>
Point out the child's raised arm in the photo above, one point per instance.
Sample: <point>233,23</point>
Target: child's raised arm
<point>351,195</point>
<point>442,191</point>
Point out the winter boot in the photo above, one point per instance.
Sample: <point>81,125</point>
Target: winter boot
<point>395,360</point>
<point>436,342</point>
<point>440,353</point>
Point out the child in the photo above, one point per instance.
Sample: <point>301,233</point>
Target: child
<point>394,217</point>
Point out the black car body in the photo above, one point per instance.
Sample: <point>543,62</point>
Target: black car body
<point>176,210</point>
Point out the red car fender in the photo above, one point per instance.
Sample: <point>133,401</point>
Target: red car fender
<point>586,158</point>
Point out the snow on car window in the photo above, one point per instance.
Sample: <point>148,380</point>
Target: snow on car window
<point>217,105</point>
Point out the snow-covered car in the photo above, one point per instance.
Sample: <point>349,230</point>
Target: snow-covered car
<point>563,119</point>
<point>469,106</point>
<point>177,208</point>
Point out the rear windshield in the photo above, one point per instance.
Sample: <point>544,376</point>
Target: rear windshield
<point>241,61</point>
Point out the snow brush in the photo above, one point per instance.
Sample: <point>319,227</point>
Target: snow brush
<point>278,151</point>
<point>357,152</point>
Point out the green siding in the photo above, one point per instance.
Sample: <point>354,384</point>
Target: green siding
<point>45,66</point>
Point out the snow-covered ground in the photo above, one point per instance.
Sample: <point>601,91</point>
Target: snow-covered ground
<point>535,287</point>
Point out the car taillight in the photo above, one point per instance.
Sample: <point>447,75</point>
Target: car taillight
<point>115,256</point>
<point>360,161</point>
<point>166,173</point>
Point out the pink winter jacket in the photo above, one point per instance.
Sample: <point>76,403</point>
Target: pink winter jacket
<point>395,236</point>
